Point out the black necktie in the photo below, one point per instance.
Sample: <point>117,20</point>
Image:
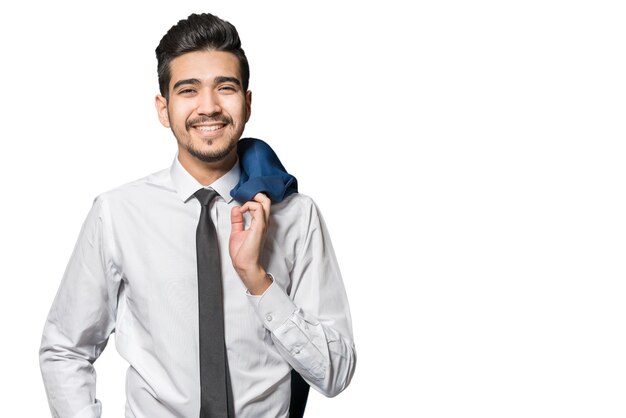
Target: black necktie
<point>215,391</point>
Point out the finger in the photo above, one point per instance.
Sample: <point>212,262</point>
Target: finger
<point>236,219</point>
<point>261,197</point>
<point>250,206</point>
<point>256,211</point>
<point>266,202</point>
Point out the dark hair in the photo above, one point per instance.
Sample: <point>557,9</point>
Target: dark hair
<point>196,33</point>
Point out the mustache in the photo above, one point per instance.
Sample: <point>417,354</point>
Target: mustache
<point>207,119</point>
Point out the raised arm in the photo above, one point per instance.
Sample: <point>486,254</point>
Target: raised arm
<point>311,327</point>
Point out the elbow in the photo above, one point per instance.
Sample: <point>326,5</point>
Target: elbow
<point>334,391</point>
<point>46,356</point>
<point>49,358</point>
<point>55,357</point>
<point>342,377</point>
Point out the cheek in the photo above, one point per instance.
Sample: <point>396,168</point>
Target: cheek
<point>235,106</point>
<point>239,113</point>
<point>177,117</point>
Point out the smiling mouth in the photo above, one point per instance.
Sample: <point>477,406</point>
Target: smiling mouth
<point>209,128</point>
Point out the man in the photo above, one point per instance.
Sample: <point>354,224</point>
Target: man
<point>151,254</point>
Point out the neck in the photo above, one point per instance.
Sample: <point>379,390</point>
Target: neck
<point>206,173</point>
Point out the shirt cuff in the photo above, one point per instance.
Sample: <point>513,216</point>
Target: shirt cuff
<point>274,307</point>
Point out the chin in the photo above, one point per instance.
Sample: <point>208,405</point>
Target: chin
<point>212,155</point>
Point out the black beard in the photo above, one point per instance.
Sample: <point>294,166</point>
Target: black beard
<point>208,157</point>
<point>213,156</point>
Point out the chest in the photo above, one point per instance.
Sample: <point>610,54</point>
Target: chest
<point>156,253</point>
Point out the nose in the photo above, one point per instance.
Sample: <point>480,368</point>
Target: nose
<point>208,103</point>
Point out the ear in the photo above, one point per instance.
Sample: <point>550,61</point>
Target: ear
<point>248,105</point>
<point>160,103</point>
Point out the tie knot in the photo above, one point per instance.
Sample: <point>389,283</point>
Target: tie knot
<point>205,196</point>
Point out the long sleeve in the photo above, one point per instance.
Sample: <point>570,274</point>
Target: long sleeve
<point>310,324</point>
<point>79,323</point>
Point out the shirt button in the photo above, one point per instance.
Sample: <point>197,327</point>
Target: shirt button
<point>268,318</point>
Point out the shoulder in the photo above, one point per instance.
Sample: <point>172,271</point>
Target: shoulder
<point>298,211</point>
<point>136,190</point>
<point>295,204</point>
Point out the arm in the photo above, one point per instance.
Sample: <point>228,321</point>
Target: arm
<point>311,327</point>
<point>79,324</point>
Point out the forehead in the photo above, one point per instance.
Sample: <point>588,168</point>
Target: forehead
<point>204,66</point>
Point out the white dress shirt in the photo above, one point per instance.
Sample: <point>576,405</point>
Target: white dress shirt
<point>133,272</point>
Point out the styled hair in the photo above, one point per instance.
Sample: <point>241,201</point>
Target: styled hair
<point>199,32</point>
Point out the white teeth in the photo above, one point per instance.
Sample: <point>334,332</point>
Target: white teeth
<point>209,128</point>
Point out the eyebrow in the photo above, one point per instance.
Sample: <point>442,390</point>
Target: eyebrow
<point>225,79</point>
<point>216,80</point>
<point>179,83</point>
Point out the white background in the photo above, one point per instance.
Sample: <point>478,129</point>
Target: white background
<point>468,157</point>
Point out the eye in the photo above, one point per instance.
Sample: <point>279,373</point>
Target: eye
<point>227,88</point>
<point>186,91</point>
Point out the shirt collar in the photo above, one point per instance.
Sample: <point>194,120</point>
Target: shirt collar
<point>186,185</point>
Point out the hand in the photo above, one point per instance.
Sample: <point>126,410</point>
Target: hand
<point>246,245</point>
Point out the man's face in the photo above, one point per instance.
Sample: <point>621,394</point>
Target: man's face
<point>207,107</point>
